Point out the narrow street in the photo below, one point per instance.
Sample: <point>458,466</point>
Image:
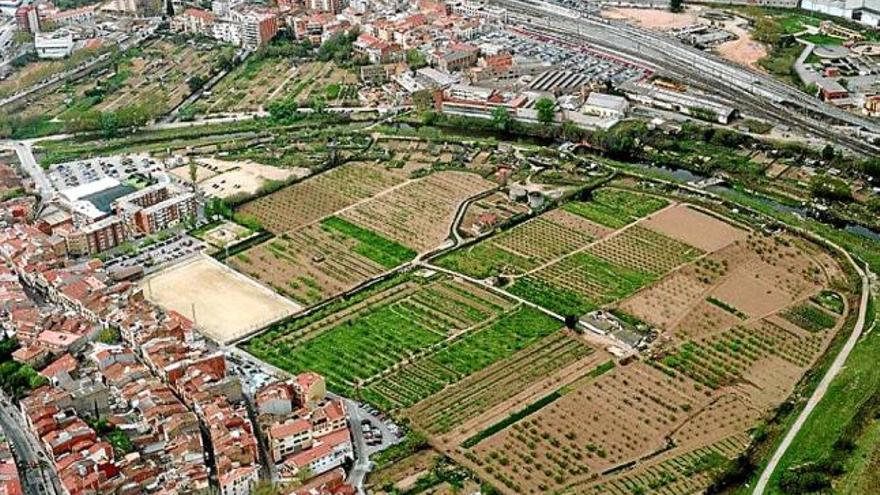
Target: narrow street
<point>37,477</point>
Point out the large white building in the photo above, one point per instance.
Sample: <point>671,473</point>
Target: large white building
<point>863,11</point>
<point>53,45</point>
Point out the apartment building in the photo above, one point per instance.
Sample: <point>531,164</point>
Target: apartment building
<point>103,235</point>
<point>257,25</point>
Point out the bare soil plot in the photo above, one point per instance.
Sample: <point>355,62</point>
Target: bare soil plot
<point>695,228</point>
<point>227,304</point>
<point>744,50</point>
<point>666,302</point>
<point>224,178</point>
<point>630,410</point>
<point>322,195</point>
<point>419,214</point>
<point>653,18</point>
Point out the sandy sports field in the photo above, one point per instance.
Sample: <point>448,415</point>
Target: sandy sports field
<point>228,305</point>
<point>222,179</point>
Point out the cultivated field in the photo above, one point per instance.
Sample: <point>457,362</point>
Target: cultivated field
<point>227,304</point>
<point>525,246</point>
<point>397,332</point>
<point>318,261</point>
<point>485,397</point>
<point>741,317</point>
<point>419,214</point>
<point>322,195</point>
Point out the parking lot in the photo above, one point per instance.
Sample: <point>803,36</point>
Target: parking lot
<point>155,256</point>
<point>119,167</point>
<point>378,431</point>
<point>571,59</point>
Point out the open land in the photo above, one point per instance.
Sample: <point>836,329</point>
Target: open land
<point>227,304</point>
<point>223,179</point>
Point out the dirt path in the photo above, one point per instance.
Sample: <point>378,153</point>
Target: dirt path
<point>820,391</point>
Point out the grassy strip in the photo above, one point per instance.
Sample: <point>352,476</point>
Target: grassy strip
<point>513,418</point>
<point>824,430</point>
<point>243,246</point>
<point>727,307</point>
<point>532,408</point>
<point>372,246</point>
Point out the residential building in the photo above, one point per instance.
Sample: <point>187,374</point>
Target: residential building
<point>257,25</point>
<point>102,235</point>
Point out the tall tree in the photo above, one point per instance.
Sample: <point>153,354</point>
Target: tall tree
<point>546,110</point>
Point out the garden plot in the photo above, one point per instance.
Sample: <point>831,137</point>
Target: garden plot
<point>248,86</point>
<point>227,305</point>
<point>473,351</point>
<point>630,410</point>
<point>226,234</point>
<point>324,80</point>
<point>391,328</point>
<point>152,78</point>
<point>322,195</point>
<point>535,370</point>
<point>158,75</point>
<point>319,261</point>
<point>526,246</point>
<point>419,214</point>
<point>615,208</point>
<point>692,227</point>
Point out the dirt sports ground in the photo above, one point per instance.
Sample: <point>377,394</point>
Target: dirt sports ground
<point>227,304</point>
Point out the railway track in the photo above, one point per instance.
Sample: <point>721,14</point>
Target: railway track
<point>745,89</point>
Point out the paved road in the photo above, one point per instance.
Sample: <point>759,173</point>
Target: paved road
<point>820,391</point>
<point>38,480</point>
<point>362,462</point>
<point>34,170</point>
